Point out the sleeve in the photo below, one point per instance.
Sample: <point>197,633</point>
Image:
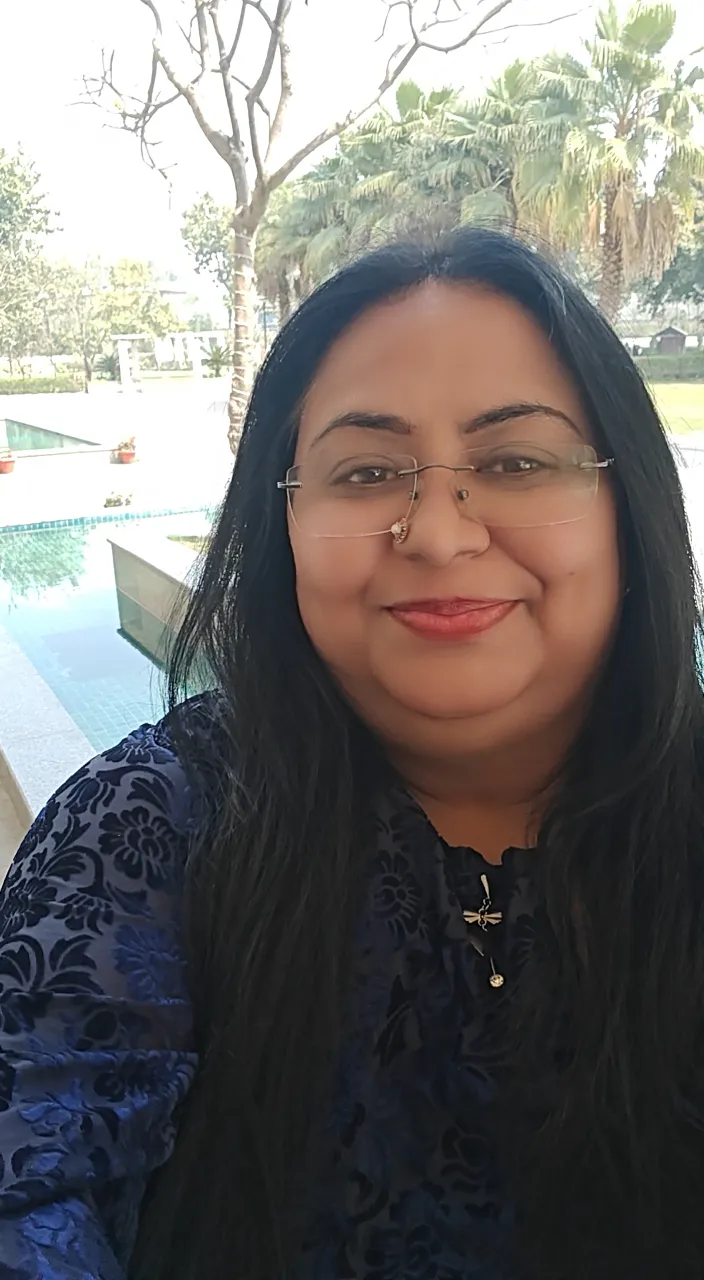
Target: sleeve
<point>96,1047</point>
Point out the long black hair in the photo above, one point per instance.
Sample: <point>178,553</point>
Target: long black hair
<point>605,1098</point>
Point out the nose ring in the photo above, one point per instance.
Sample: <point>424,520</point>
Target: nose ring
<point>463,494</point>
<point>400,531</point>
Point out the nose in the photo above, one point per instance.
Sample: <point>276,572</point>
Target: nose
<point>441,525</point>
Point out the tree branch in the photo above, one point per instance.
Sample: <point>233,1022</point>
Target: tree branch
<point>149,4</point>
<point>475,31</point>
<point>227,148</point>
<point>397,64</point>
<point>276,35</point>
<point>224,66</point>
<point>188,36</point>
<point>137,119</point>
<point>546,22</point>
<point>202,23</point>
<point>238,33</point>
<point>285,93</point>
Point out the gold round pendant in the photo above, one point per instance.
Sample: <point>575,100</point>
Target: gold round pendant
<point>496,980</point>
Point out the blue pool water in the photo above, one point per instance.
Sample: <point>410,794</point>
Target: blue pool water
<point>20,435</point>
<point>58,602</point>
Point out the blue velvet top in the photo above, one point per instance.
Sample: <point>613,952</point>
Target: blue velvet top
<point>96,1047</point>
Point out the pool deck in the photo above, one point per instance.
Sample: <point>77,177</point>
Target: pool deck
<point>183,457</point>
<point>40,745</point>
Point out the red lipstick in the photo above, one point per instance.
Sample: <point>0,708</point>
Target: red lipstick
<point>451,619</point>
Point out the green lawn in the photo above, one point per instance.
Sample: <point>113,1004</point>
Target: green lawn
<point>681,405</point>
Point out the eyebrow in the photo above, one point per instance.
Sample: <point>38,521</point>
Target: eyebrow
<point>401,426</point>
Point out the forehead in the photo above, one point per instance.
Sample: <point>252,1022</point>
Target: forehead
<point>438,355</point>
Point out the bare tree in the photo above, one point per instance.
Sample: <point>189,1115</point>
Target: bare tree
<point>244,127</point>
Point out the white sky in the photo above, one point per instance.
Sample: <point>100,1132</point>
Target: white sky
<point>109,203</point>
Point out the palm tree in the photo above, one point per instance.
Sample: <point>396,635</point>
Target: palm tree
<point>514,150</point>
<point>596,157</point>
<point>391,176</point>
<point>628,158</point>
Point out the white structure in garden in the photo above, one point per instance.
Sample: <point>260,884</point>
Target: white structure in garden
<point>173,351</point>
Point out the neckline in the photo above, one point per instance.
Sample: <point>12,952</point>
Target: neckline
<point>510,856</point>
<point>507,861</point>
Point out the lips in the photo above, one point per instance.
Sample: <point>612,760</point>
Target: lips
<point>453,618</point>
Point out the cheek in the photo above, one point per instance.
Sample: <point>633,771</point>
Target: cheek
<point>578,566</point>
<point>332,580</point>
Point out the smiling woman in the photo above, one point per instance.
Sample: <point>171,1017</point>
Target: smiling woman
<point>384,958</point>
<point>522,529</point>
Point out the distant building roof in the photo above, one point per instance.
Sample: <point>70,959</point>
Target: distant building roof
<point>670,332</point>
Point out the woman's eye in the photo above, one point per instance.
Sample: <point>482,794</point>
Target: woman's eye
<point>369,476</point>
<point>513,466</point>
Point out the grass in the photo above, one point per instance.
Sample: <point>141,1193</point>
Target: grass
<point>681,405</point>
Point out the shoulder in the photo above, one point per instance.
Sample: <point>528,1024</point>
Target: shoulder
<point>133,806</point>
<point>145,768</point>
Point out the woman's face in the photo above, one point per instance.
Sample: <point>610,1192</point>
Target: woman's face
<point>444,369</point>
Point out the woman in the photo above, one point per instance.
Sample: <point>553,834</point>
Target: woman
<point>386,959</point>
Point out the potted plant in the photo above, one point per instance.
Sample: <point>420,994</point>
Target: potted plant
<point>7,462</point>
<point>126,450</point>
<point>118,500</point>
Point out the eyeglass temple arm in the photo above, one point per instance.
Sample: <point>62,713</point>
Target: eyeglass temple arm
<point>416,471</point>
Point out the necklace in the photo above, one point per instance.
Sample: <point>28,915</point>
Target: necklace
<point>483,919</point>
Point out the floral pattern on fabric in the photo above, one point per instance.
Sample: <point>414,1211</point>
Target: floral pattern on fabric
<point>96,1049</point>
<point>95,1026</point>
<point>416,1192</point>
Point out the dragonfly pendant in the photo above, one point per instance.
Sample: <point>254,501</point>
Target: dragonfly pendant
<point>483,918</point>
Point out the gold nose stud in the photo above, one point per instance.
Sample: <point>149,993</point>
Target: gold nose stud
<point>400,531</point>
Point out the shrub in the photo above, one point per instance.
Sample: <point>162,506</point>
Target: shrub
<point>107,366</point>
<point>37,386</point>
<point>689,367</point>
<point>218,359</point>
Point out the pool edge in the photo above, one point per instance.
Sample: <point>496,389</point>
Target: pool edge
<point>40,744</point>
<point>113,514</point>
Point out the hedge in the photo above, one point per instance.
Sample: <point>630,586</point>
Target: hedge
<point>38,386</point>
<point>689,367</point>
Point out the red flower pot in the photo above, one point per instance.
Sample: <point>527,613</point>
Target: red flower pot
<point>126,455</point>
<point>7,465</point>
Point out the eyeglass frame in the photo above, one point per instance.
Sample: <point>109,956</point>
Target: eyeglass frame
<point>289,487</point>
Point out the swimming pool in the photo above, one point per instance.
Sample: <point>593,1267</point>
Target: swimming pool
<point>58,603</point>
<point>21,435</point>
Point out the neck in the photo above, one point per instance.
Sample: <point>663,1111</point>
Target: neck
<point>492,800</point>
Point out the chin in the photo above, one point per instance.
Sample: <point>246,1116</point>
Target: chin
<point>443,696</point>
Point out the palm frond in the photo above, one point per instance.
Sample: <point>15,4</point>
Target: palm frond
<point>379,184</point>
<point>486,206</point>
<point>648,29</point>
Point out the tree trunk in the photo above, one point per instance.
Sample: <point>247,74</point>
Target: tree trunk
<point>242,331</point>
<point>283,293</point>
<point>611,279</point>
<point>512,202</point>
<point>87,371</point>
